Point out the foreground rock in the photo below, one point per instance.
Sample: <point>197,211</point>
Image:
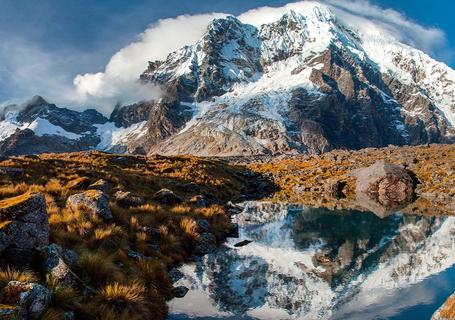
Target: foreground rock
<point>31,298</point>
<point>127,199</point>
<point>24,227</point>
<point>95,201</point>
<point>383,187</point>
<point>446,311</point>
<point>57,265</point>
<point>166,196</point>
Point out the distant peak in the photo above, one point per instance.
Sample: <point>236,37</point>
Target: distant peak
<point>35,101</point>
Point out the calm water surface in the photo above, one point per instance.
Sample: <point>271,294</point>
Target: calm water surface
<point>307,263</point>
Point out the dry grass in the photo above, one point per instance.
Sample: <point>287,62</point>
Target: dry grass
<point>433,166</point>
<point>10,274</point>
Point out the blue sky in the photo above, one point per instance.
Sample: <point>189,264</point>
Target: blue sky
<point>60,39</point>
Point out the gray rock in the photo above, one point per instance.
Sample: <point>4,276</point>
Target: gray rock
<point>25,227</point>
<point>55,264</point>
<point>127,199</point>
<point>166,196</point>
<point>95,201</point>
<point>202,225</point>
<point>33,299</point>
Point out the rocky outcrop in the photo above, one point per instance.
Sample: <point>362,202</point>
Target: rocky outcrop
<point>24,227</point>
<point>95,201</point>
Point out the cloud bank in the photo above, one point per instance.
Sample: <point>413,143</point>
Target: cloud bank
<point>37,72</point>
<point>119,80</point>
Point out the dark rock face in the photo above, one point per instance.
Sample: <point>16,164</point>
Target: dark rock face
<point>385,184</point>
<point>25,142</point>
<point>93,200</point>
<point>72,121</point>
<point>25,227</point>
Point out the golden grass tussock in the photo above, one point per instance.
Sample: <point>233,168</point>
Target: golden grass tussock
<point>11,274</point>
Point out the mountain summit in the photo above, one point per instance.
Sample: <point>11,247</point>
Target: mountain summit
<point>304,83</point>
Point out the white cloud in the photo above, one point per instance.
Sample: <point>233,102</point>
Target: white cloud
<point>119,80</point>
<point>368,19</point>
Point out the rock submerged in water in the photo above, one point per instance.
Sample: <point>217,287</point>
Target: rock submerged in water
<point>95,201</point>
<point>383,187</point>
<point>24,226</point>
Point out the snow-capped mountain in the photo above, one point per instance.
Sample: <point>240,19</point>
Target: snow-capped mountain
<point>307,82</point>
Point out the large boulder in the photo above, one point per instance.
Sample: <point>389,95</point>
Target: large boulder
<point>384,187</point>
<point>95,201</point>
<point>32,299</point>
<point>24,226</point>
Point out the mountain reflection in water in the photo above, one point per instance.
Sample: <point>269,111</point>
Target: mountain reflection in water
<point>320,264</point>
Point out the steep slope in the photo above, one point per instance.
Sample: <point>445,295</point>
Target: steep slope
<point>303,83</point>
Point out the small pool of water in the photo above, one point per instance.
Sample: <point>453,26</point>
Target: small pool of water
<point>307,263</point>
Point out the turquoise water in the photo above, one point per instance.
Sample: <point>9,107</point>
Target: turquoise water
<point>307,263</point>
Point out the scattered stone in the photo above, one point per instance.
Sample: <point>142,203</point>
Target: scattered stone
<point>180,291</point>
<point>24,227</point>
<point>94,200</point>
<point>242,243</point>
<point>127,199</point>
<point>204,243</point>
<point>78,183</point>
<point>32,298</point>
<point>166,196</point>
<point>100,184</point>
<point>55,264</point>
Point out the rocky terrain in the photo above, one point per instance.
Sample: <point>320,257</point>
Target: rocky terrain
<point>329,180</point>
<point>305,83</point>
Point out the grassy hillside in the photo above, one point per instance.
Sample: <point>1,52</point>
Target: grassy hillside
<point>123,287</point>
